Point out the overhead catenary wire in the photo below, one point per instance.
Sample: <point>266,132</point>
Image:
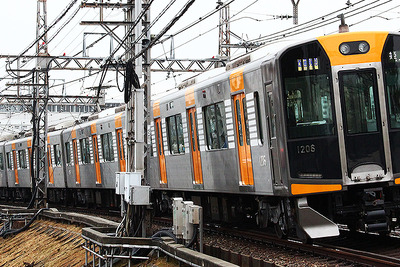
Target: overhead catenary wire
<point>55,22</point>
<point>377,15</point>
<point>314,26</point>
<point>53,36</point>
<point>107,61</point>
<point>333,20</point>
<point>316,23</point>
<point>303,27</point>
<point>132,79</point>
<point>166,28</point>
<point>96,41</point>
<point>202,18</point>
<point>58,19</point>
<point>304,30</point>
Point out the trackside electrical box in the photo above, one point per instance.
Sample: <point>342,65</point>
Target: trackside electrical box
<point>131,179</point>
<point>187,218</point>
<point>191,218</point>
<point>119,183</point>
<point>139,195</point>
<point>194,214</point>
<point>129,185</point>
<point>177,216</point>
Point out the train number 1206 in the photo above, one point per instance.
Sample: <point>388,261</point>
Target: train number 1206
<point>306,149</point>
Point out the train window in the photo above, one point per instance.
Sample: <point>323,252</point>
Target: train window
<point>85,150</point>
<point>258,118</point>
<point>22,159</point>
<point>272,118</point>
<point>57,155</point>
<point>359,101</point>
<point>107,146</point>
<point>175,134</point>
<point>120,142</point>
<point>191,126</point>
<point>9,161</point>
<point>246,121</point>
<point>197,128</point>
<point>1,162</point>
<point>239,122</point>
<point>215,126</point>
<point>68,153</point>
<point>306,75</point>
<point>391,69</point>
<point>159,136</point>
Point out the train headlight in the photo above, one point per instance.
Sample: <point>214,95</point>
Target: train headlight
<point>363,47</point>
<point>344,48</point>
<point>354,48</point>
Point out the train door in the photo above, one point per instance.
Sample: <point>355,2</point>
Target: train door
<point>120,148</point>
<point>75,156</point>
<point>195,147</point>
<point>120,143</point>
<point>14,155</point>
<point>95,145</point>
<point>243,139</point>
<point>49,162</point>
<point>30,155</point>
<point>273,143</point>
<point>362,127</point>
<point>160,149</point>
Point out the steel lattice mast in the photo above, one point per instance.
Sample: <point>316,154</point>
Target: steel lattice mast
<point>39,109</point>
<point>295,11</point>
<point>224,49</point>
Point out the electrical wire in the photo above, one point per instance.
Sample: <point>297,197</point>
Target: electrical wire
<point>377,15</point>
<point>127,35</point>
<point>314,23</point>
<point>8,232</point>
<point>58,19</point>
<point>197,21</point>
<point>133,79</point>
<point>64,25</point>
<point>166,28</point>
<point>322,17</point>
<point>293,33</point>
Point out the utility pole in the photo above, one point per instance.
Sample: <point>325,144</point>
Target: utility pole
<point>295,11</point>
<point>39,108</point>
<point>137,116</point>
<point>224,50</point>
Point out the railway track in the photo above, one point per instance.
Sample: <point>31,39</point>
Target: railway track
<point>261,248</point>
<point>244,247</point>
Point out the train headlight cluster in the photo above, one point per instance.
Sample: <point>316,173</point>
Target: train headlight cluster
<point>352,48</point>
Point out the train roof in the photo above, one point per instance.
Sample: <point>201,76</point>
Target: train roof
<point>17,140</point>
<point>7,137</point>
<point>251,62</point>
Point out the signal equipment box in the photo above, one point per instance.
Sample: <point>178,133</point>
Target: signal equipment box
<point>129,185</point>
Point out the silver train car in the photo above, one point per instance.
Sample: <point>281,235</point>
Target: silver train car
<point>303,139</point>
<point>82,161</point>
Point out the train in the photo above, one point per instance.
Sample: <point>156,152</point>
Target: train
<point>83,157</point>
<point>304,138</point>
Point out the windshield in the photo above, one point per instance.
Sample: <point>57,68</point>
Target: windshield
<point>391,68</point>
<point>308,90</point>
<point>360,107</point>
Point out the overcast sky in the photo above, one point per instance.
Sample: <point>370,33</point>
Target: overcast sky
<point>250,20</point>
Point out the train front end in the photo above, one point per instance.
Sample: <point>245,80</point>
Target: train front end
<point>341,107</point>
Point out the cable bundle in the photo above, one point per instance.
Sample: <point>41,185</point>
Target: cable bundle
<point>131,79</point>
